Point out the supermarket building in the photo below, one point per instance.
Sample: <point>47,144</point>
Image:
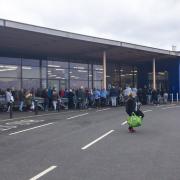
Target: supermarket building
<point>38,57</point>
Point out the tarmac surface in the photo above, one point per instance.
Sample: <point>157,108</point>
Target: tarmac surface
<point>91,145</point>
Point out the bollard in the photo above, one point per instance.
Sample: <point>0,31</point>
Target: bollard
<point>177,97</point>
<point>172,98</point>
<point>36,107</point>
<point>11,110</point>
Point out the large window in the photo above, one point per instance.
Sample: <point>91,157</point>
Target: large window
<point>30,68</point>
<point>57,73</point>
<point>10,67</point>
<point>75,84</point>
<point>9,83</point>
<point>31,83</point>
<point>78,74</point>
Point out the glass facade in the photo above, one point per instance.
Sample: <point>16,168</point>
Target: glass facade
<point>161,80</point>
<point>121,75</point>
<point>54,72</point>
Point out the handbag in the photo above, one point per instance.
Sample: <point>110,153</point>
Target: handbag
<point>134,120</point>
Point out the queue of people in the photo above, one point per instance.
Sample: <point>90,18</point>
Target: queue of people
<point>82,97</point>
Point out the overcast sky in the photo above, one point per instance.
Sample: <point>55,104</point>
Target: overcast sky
<point>153,23</point>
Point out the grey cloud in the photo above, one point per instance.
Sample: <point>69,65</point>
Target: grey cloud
<point>151,22</point>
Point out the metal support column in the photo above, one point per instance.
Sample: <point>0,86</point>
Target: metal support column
<point>154,73</point>
<point>104,69</point>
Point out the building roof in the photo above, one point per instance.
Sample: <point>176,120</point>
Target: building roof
<point>29,40</point>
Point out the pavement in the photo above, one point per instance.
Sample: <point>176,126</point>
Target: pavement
<point>91,145</point>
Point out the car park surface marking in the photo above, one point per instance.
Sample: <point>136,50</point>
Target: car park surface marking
<point>148,110</point>
<point>51,168</point>
<point>103,109</point>
<point>26,117</point>
<point>170,107</point>
<point>31,129</point>
<point>77,116</point>
<point>98,139</point>
<point>125,122</point>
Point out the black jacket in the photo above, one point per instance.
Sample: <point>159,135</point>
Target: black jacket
<point>130,106</point>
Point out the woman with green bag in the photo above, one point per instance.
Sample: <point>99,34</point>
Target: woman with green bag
<point>133,120</point>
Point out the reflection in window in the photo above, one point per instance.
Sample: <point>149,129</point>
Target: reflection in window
<point>30,72</point>
<point>31,62</point>
<point>30,68</point>
<point>31,83</point>
<point>9,83</point>
<point>78,66</point>
<point>78,74</point>
<point>98,84</point>
<point>10,61</point>
<point>44,83</point>
<point>57,73</point>
<point>53,84</point>
<point>97,67</point>
<point>10,71</point>
<point>57,64</point>
<point>74,84</point>
<point>126,76</point>
<point>43,72</point>
<point>98,75</point>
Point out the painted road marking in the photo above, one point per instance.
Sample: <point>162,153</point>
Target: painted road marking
<point>5,128</point>
<point>98,139</point>
<point>148,110</point>
<point>165,105</point>
<point>24,122</point>
<point>26,117</point>
<point>103,109</point>
<point>43,173</point>
<point>170,107</point>
<point>125,122</point>
<point>30,129</point>
<point>77,116</point>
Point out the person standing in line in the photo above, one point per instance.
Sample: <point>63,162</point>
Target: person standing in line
<point>103,95</point>
<point>97,97</point>
<point>8,98</point>
<point>127,91</point>
<point>54,98</point>
<point>46,99</point>
<point>21,99</point>
<point>71,99</point>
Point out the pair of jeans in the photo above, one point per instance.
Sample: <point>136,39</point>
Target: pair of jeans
<point>21,105</point>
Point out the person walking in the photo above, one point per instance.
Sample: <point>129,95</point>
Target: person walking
<point>130,108</point>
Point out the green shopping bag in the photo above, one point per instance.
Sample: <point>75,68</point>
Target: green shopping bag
<point>134,120</point>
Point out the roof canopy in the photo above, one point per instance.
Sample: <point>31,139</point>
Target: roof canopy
<point>28,40</point>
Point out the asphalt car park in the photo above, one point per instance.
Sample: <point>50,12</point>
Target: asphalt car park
<point>90,145</point>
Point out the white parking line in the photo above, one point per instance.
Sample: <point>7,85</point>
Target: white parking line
<point>26,117</point>
<point>43,173</point>
<point>148,110</point>
<point>103,109</point>
<point>170,107</point>
<point>165,105</point>
<point>98,139</point>
<point>77,116</point>
<point>30,129</point>
<point>125,122</point>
